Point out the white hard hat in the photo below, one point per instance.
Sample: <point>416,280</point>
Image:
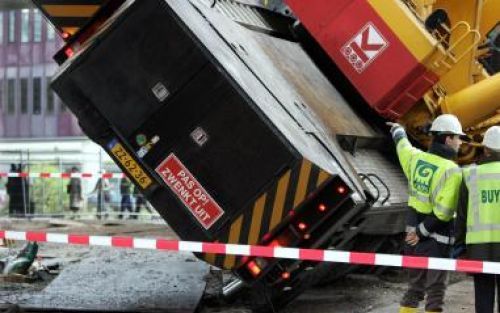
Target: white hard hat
<point>448,124</point>
<point>492,138</point>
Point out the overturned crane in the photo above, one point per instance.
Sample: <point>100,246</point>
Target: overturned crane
<point>238,133</point>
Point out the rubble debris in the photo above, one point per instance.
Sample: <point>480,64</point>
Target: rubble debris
<point>20,263</point>
<point>9,308</point>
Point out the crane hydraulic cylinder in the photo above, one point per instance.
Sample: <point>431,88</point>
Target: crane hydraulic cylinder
<point>475,103</point>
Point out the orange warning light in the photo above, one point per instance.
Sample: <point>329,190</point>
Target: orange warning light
<point>254,268</point>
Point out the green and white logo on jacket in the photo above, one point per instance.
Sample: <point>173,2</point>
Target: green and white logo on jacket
<point>423,175</point>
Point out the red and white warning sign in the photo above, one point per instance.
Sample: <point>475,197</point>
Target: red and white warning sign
<point>364,47</point>
<point>189,191</point>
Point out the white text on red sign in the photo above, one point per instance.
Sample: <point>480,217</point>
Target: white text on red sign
<point>189,191</point>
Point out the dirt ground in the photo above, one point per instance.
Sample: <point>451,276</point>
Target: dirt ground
<point>355,293</point>
<point>371,294</point>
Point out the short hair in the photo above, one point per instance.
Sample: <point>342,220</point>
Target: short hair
<point>441,137</point>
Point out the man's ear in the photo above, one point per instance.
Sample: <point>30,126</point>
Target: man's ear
<point>447,140</point>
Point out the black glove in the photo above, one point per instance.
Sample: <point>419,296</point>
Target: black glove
<point>458,251</point>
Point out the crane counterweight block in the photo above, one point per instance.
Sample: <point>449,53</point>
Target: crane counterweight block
<point>224,149</point>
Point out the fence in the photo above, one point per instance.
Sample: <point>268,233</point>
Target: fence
<point>35,195</point>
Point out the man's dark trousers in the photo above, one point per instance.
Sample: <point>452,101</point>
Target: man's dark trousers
<point>484,288</point>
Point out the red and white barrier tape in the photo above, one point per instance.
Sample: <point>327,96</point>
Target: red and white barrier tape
<point>360,258</point>
<point>63,175</point>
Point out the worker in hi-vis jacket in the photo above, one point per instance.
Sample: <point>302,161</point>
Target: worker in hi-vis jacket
<point>434,181</point>
<point>478,219</point>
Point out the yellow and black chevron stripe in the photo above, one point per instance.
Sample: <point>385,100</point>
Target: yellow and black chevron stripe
<point>68,16</point>
<point>270,209</point>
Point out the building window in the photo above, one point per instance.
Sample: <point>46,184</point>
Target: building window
<point>25,25</point>
<point>1,27</point>
<point>37,95</point>
<point>51,33</point>
<point>24,95</point>
<point>12,26</point>
<point>50,98</point>
<point>37,26</point>
<point>11,96</point>
<point>1,94</point>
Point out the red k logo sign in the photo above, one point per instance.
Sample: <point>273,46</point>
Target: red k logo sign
<point>364,47</point>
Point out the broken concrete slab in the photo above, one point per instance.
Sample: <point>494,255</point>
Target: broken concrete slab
<point>126,280</point>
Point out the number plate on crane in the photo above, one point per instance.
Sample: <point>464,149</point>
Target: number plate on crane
<point>131,165</point>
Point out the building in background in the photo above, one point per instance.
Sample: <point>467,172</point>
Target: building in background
<point>36,129</point>
<point>29,109</point>
<point>34,123</point>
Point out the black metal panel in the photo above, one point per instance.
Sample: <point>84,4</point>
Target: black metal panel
<point>147,50</point>
<point>243,153</point>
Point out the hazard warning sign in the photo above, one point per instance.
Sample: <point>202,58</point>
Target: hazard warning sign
<point>364,47</point>
<point>189,191</point>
